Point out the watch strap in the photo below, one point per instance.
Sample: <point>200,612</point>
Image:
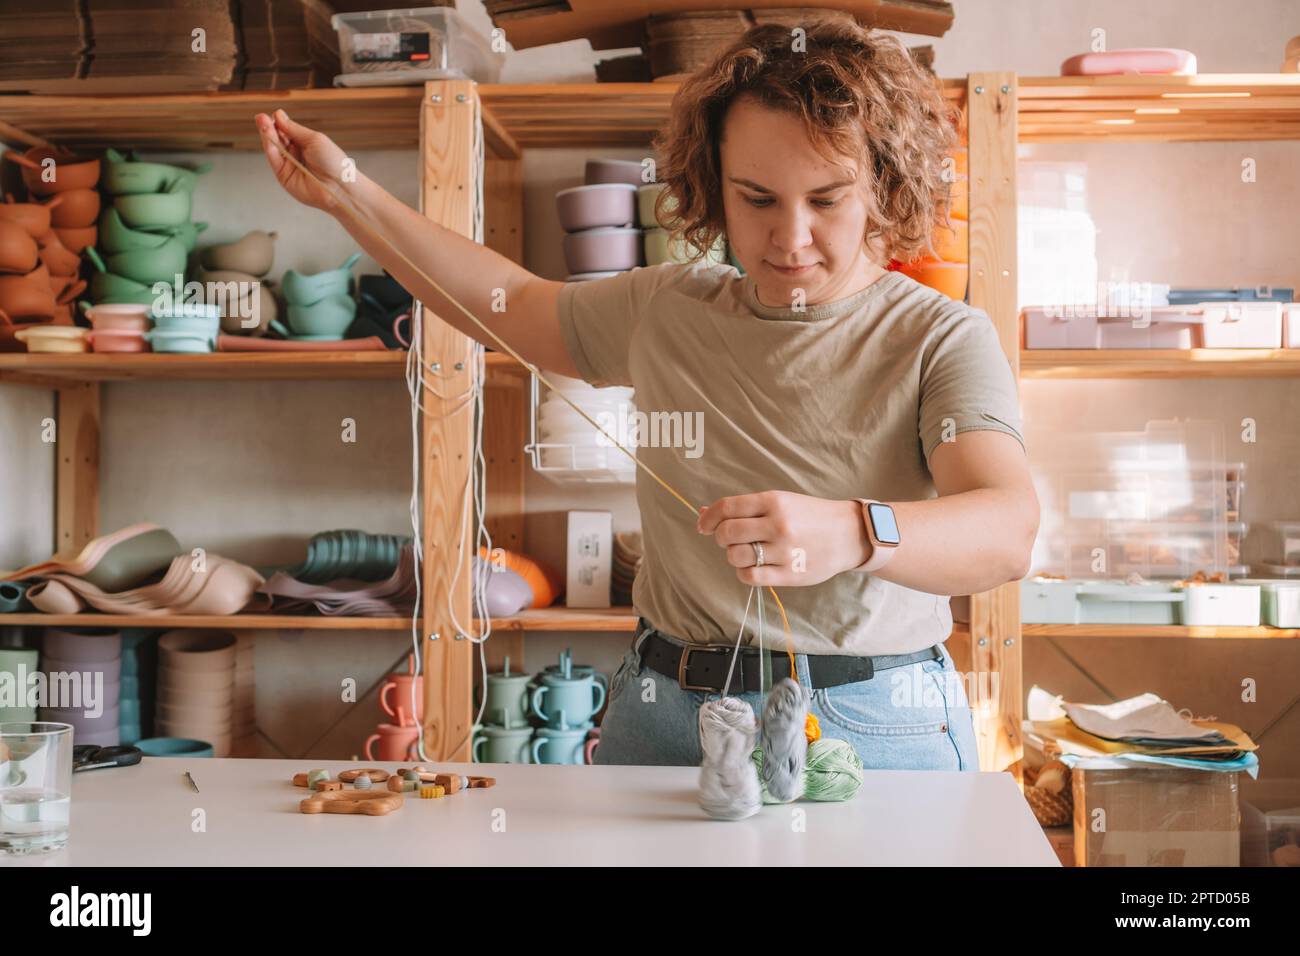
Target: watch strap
<point>881,554</point>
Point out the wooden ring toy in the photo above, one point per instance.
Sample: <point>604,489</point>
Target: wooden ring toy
<point>372,803</point>
<point>373,773</point>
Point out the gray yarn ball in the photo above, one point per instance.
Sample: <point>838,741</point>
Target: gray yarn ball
<point>784,746</point>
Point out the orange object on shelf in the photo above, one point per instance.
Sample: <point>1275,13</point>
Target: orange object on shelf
<point>951,245</point>
<point>946,277</point>
<point>545,588</point>
<point>959,199</point>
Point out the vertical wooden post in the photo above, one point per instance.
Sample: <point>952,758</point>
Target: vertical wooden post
<point>76,469</point>
<point>447,195</point>
<point>505,405</point>
<point>995,615</point>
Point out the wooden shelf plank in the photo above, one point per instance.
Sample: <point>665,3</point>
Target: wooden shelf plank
<point>544,619</point>
<point>281,622</point>
<point>1159,363</point>
<point>1156,630</point>
<point>47,369</point>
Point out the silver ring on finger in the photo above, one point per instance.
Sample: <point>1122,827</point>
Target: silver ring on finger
<point>758,553</point>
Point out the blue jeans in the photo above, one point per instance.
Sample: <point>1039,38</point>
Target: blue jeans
<point>913,717</point>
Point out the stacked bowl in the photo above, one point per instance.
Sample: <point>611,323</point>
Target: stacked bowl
<point>570,446</point>
<point>83,669</point>
<point>184,327</point>
<point>350,554</point>
<point>233,277</point>
<point>145,234</point>
<point>119,327</point>
<point>196,687</point>
<point>40,249</point>
<point>948,269</point>
<point>137,690</point>
<point>16,665</point>
<point>320,307</point>
<point>599,220</point>
<point>660,245</point>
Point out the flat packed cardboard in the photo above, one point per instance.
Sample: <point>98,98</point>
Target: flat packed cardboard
<point>578,547</point>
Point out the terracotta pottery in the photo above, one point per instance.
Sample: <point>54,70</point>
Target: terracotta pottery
<point>70,171</point>
<point>18,250</point>
<point>34,217</point>
<point>74,209</point>
<point>77,239</point>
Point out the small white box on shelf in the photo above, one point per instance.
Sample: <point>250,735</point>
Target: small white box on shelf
<point>1291,325</point>
<point>1221,605</point>
<point>578,546</point>
<point>1241,325</point>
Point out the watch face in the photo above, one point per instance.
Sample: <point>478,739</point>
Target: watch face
<point>883,523</point>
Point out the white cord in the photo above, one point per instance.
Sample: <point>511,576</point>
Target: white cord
<point>739,635</point>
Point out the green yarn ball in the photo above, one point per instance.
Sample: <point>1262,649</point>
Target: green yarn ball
<point>833,771</point>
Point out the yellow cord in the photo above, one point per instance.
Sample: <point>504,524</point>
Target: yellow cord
<point>360,218</point>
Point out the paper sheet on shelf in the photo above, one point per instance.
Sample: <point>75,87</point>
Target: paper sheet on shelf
<point>1146,716</point>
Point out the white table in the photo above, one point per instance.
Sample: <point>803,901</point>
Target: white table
<point>552,815</point>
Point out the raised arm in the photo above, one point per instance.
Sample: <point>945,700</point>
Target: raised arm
<point>468,271</point>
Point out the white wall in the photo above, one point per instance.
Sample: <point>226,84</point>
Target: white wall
<point>251,469</point>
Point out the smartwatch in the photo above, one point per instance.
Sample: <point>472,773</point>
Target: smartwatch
<point>882,529</point>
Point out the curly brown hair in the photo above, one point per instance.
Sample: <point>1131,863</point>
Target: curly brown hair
<point>859,94</point>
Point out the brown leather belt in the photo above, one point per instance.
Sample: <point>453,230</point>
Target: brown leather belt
<point>702,667</point>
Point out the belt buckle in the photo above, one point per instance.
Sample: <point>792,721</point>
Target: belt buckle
<point>684,663</point>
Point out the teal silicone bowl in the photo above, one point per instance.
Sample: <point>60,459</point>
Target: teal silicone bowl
<point>174,747</point>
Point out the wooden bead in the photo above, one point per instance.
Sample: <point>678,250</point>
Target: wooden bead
<point>326,785</point>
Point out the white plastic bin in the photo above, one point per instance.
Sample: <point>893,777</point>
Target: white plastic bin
<point>397,47</point>
<point>1279,601</point>
<point>1115,602</point>
<point>1288,535</point>
<point>1059,328</point>
<point>1291,326</point>
<point>1241,325</point>
<point>1048,601</point>
<point>1221,605</point>
<point>1156,329</point>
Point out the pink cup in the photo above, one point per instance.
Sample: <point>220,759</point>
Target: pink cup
<point>396,743</point>
<point>395,695</point>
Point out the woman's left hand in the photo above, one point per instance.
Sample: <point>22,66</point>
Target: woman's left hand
<point>805,540</point>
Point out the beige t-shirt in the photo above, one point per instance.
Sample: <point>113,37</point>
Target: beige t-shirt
<point>846,399</point>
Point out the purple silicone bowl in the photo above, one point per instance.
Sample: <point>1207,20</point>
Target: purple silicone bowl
<point>613,171</point>
<point>590,207</point>
<point>89,646</point>
<point>602,250</point>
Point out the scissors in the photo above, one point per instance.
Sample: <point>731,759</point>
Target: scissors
<point>91,757</point>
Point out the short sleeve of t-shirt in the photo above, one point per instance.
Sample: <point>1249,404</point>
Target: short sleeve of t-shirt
<point>598,319</point>
<point>966,382</point>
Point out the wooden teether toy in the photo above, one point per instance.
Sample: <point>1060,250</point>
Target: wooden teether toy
<point>373,774</point>
<point>370,802</point>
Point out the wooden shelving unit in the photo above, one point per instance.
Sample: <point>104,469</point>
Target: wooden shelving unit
<point>1000,111</point>
<point>1159,630</point>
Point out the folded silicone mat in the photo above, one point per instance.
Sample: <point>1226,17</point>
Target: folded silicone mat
<point>115,561</point>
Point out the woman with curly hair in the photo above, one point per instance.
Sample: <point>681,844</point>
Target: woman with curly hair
<point>862,432</point>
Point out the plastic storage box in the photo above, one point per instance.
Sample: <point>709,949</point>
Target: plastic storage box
<point>1221,605</point>
<point>1279,601</point>
<point>1115,602</point>
<point>1241,325</point>
<point>1171,328</point>
<point>1059,328</point>
<point>1049,601</point>
<point>1288,533</point>
<point>396,47</point>
<point>1291,326</point>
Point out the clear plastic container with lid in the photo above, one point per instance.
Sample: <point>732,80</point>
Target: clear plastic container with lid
<point>396,47</point>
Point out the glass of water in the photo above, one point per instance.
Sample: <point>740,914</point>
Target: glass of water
<point>35,785</point>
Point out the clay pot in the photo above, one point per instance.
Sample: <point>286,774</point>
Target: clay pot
<point>252,254</point>
<point>33,217</point>
<point>18,251</point>
<point>61,260</point>
<point>70,170</point>
<point>77,239</point>
<point>74,209</point>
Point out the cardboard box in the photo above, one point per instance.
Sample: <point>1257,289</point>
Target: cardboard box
<point>578,547</point>
<point>1154,816</point>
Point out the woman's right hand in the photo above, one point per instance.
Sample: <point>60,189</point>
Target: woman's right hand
<point>312,148</point>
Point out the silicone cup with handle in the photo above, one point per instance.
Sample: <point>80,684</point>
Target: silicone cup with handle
<point>473,749</point>
<point>366,747</point>
<point>535,751</point>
